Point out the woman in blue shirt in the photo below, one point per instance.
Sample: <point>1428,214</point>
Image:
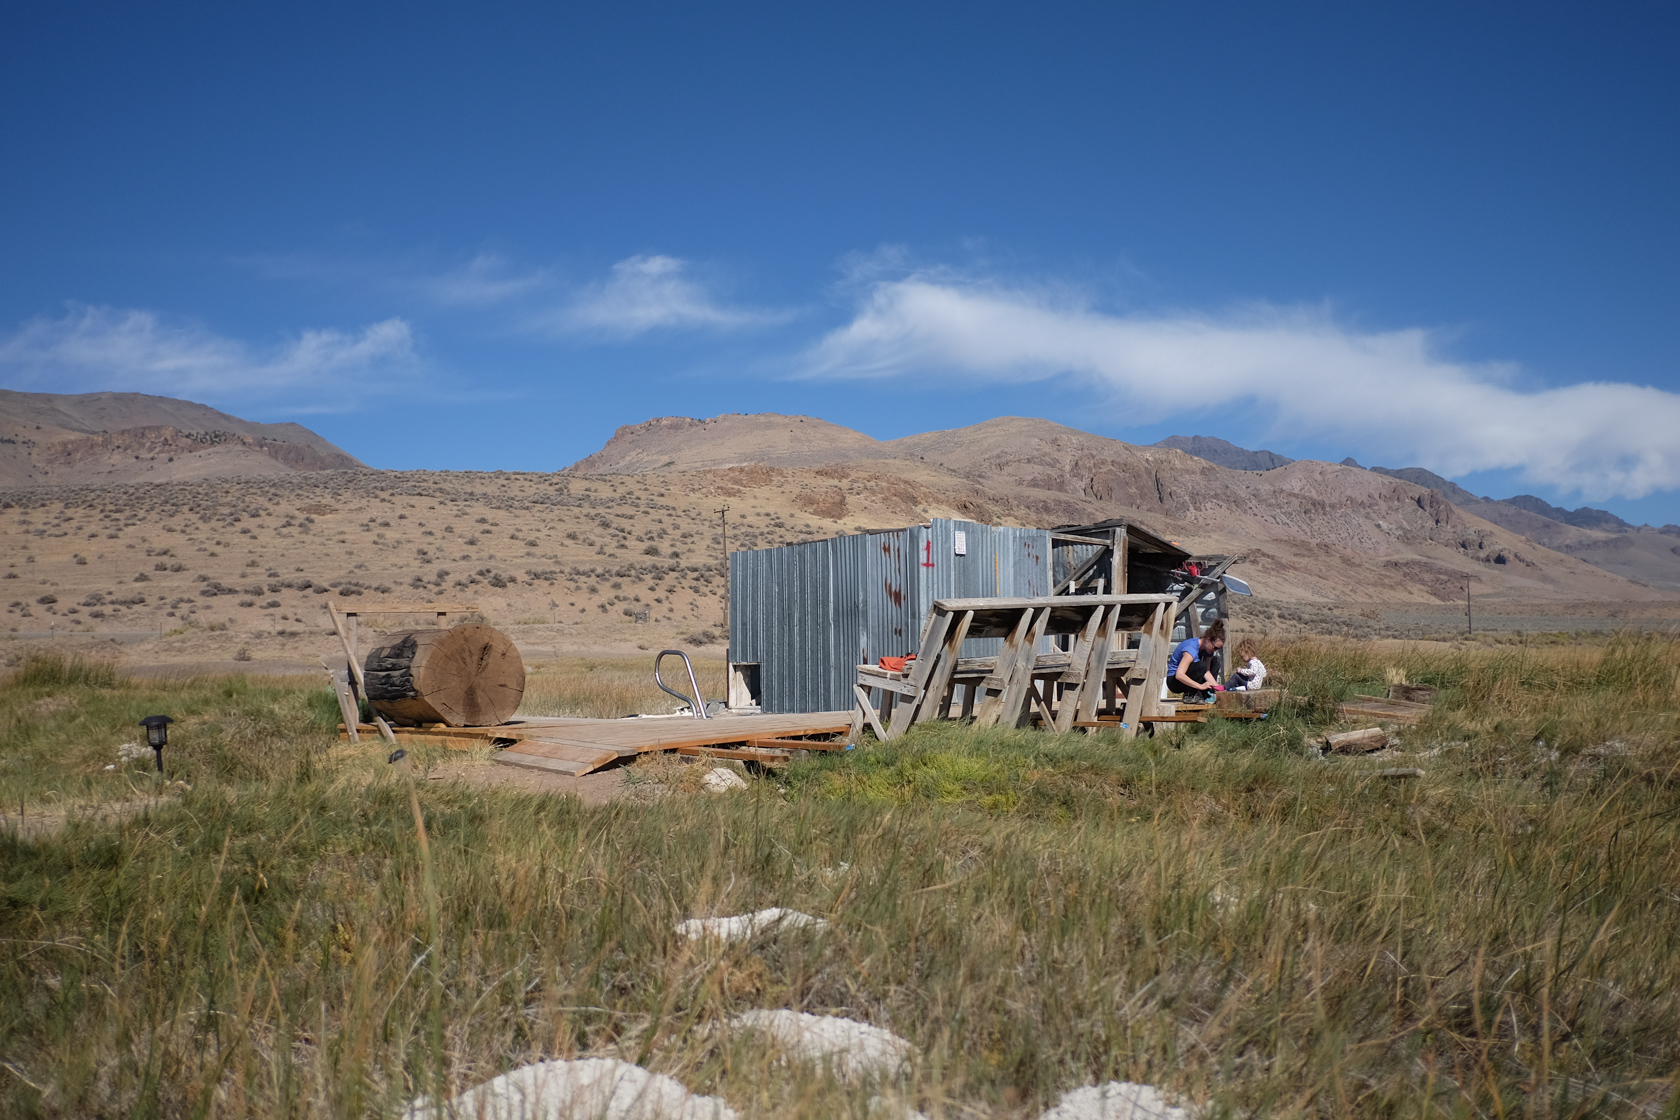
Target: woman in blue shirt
<point>1189,673</point>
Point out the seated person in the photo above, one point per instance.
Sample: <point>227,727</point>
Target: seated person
<point>1251,672</point>
<point>1189,674</point>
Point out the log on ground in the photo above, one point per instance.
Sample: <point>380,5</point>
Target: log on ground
<point>468,676</point>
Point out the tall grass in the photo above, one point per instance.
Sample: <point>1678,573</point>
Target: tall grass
<point>57,670</point>
<point>1215,911</point>
<point>613,687</point>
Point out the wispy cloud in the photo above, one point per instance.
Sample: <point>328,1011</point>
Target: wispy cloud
<point>103,348</point>
<point>1391,395</point>
<point>484,281</point>
<point>651,293</point>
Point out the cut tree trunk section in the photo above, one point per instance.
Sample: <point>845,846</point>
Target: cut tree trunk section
<point>468,676</point>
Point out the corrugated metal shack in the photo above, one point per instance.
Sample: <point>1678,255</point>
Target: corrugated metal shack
<point>802,617</point>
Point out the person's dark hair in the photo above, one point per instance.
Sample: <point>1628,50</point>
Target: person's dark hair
<point>1216,632</point>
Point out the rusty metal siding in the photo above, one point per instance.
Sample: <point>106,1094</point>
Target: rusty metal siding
<point>807,614</point>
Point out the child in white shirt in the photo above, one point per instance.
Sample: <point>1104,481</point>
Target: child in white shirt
<point>1250,673</point>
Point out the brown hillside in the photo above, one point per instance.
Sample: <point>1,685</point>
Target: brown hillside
<point>1313,531</point>
<point>679,443</point>
<point>50,438</point>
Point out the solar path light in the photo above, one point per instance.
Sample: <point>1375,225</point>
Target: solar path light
<point>157,735</point>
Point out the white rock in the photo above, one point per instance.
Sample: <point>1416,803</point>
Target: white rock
<point>855,1049</point>
<point>590,1089</point>
<point>722,779</point>
<point>880,1108</point>
<point>131,752</point>
<point>1118,1100</point>
<point>739,927</point>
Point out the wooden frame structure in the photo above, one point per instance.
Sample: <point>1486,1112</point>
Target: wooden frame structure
<point>1064,690</point>
<point>347,627</point>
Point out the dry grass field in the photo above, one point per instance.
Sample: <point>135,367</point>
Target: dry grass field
<point>1218,911</point>
<point>225,573</point>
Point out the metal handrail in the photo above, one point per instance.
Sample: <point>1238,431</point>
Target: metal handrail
<point>695,702</point>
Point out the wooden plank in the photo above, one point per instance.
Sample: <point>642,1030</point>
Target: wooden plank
<point>1014,702</point>
<point>1080,572</point>
<point>893,683</point>
<point>954,605</point>
<point>346,703</point>
<point>1089,699</point>
<point>927,655</point>
<point>933,637</point>
<point>1087,665</point>
<point>1176,718</point>
<point>934,701</point>
<point>1143,697</point>
<point>869,712</point>
<point>742,754</point>
<point>797,744</point>
<point>356,672</point>
<point>1372,711</point>
<point>995,687</point>
<point>1357,742</point>
<point>578,754</point>
<point>565,766</point>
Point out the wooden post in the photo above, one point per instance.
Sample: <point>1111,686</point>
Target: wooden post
<point>1088,700</point>
<point>346,703</point>
<point>934,700</point>
<point>927,659</point>
<point>1144,697</point>
<point>724,514</point>
<point>1083,672</point>
<point>1121,554</point>
<point>356,671</point>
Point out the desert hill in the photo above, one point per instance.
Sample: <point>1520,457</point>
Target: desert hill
<point>1311,530</point>
<point>52,438</point>
<point>1636,552</point>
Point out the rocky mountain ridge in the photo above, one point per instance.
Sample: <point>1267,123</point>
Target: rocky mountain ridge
<point>1311,529</point>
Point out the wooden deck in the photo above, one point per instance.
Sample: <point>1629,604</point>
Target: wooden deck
<point>578,746</point>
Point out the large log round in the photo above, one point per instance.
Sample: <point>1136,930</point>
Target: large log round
<point>468,676</point>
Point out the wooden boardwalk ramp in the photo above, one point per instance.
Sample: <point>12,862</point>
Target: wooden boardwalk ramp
<point>579,746</point>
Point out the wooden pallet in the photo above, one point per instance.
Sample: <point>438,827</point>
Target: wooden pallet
<point>578,746</point>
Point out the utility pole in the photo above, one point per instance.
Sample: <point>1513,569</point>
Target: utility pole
<point>1469,622</point>
<point>724,514</point>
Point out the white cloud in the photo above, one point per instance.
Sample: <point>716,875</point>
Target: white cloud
<point>1391,395</point>
<point>649,293</point>
<point>98,348</point>
<point>485,280</point>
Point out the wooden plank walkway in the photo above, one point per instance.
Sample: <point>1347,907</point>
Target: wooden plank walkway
<point>1379,708</point>
<point>578,746</point>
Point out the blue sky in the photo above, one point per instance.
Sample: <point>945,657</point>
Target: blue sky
<point>1436,235</point>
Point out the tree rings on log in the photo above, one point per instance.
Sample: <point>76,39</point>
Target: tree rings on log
<point>468,676</point>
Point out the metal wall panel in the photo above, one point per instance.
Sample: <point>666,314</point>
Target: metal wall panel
<point>807,614</point>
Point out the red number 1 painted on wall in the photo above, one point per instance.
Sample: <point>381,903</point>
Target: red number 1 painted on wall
<point>927,547</point>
